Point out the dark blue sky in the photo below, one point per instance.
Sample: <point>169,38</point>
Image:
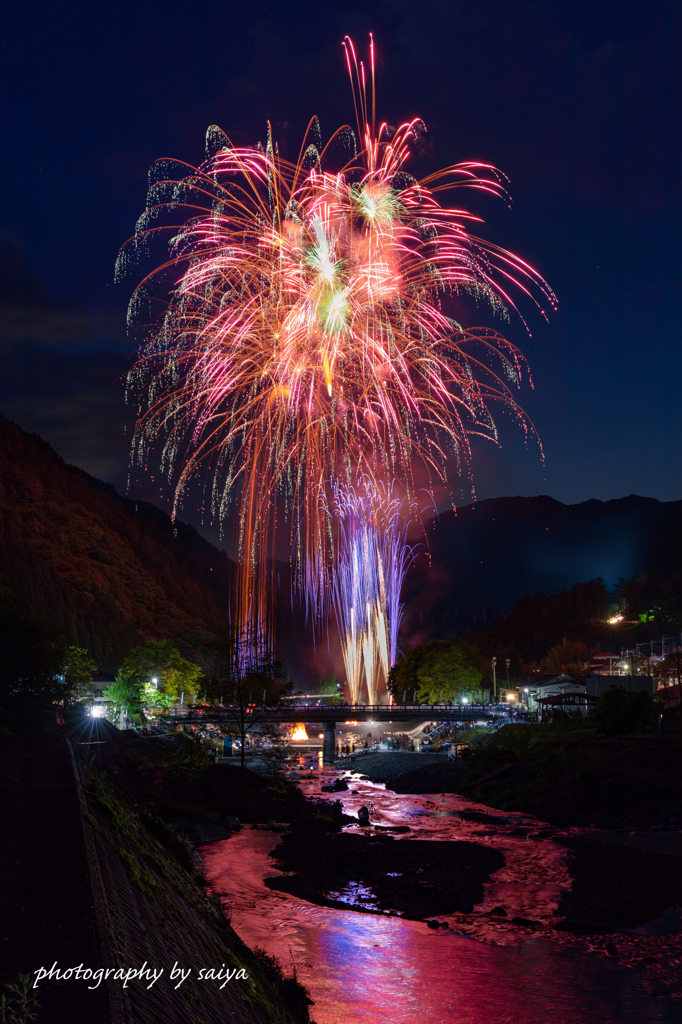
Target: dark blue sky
<point>577,102</point>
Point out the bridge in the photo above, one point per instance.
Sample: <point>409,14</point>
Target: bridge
<point>331,715</point>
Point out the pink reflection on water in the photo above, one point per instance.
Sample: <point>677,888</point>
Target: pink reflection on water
<point>363,968</point>
<point>535,873</point>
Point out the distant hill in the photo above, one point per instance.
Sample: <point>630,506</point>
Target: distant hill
<point>112,572</point>
<point>108,571</point>
<point>542,621</point>
<point>485,557</point>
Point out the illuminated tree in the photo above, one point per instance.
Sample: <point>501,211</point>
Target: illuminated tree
<point>438,671</point>
<point>162,660</point>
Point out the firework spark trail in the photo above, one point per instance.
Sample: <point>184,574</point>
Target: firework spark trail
<point>371,559</point>
<point>305,338</point>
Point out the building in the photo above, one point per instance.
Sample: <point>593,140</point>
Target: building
<point>597,684</point>
<point>552,684</point>
<point>100,683</point>
<point>567,703</point>
<point>570,693</point>
<point>603,665</point>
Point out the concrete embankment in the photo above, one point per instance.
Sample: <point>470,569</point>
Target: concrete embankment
<point>407,772</point>
<point>48,908</point>
<point>90,880</point>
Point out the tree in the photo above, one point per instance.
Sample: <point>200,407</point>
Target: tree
<point>126,696</point>
<point>78,669</point>
<point>162,660</point>
<point>246,714</point>
<point>540,621</point>
<point>666,670</point>
<point>131,697</point>
<point>569,656</point>
<point>329,685</point>
<point>155,701</point>
<point>228,645</point>
<point>31,654</point>
<point>439,670</point>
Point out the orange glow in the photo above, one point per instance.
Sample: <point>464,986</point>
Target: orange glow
<point>299,732</point>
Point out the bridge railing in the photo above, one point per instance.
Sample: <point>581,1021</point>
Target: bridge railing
<point>360,709</point>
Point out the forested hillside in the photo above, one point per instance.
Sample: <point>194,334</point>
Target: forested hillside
<point>108,571</point>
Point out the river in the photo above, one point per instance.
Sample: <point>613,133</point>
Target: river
<point>367,968</point>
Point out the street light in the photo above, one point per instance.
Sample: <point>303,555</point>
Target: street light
<point>494,663</point>
<point>155,682</point>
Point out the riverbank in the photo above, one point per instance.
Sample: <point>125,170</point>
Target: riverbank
<point>609,889</point>
<point>94,876</point>
<point>616,887</point>
<point>407,772</point>
<point>576,777</point>
<point>564,778</point>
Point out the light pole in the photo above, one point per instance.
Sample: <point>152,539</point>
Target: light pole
<point>494,663</point>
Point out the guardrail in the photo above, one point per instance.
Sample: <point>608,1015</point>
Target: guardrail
<point>335,713</point>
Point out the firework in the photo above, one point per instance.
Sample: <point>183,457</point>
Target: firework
<point>298,329</point>
<point>370,561</point>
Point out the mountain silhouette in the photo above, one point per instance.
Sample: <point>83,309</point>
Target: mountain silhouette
<point>478,562</point>
<point>111,572</point>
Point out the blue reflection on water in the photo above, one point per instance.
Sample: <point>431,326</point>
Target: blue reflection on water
<point>355,895</point>
<point>377,970</point>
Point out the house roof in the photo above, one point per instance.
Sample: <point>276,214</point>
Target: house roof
<point>574,697</point>
<point>550,678</point>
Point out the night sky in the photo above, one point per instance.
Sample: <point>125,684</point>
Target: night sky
<point>577,102</point>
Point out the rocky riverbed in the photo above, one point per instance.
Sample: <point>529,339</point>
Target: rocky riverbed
<point>609,892</point>
<point>348,903</point>
<point>416,879</point>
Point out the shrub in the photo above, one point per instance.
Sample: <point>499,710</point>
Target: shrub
<point>619,711</point>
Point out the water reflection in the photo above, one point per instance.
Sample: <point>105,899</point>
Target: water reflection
<point>365,968</point>
<point>533,878</point>
<point>355,895</point>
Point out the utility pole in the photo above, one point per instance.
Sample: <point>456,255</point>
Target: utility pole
<point>508,664</point>
<point>494,663</point>
<point>679,681</point>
